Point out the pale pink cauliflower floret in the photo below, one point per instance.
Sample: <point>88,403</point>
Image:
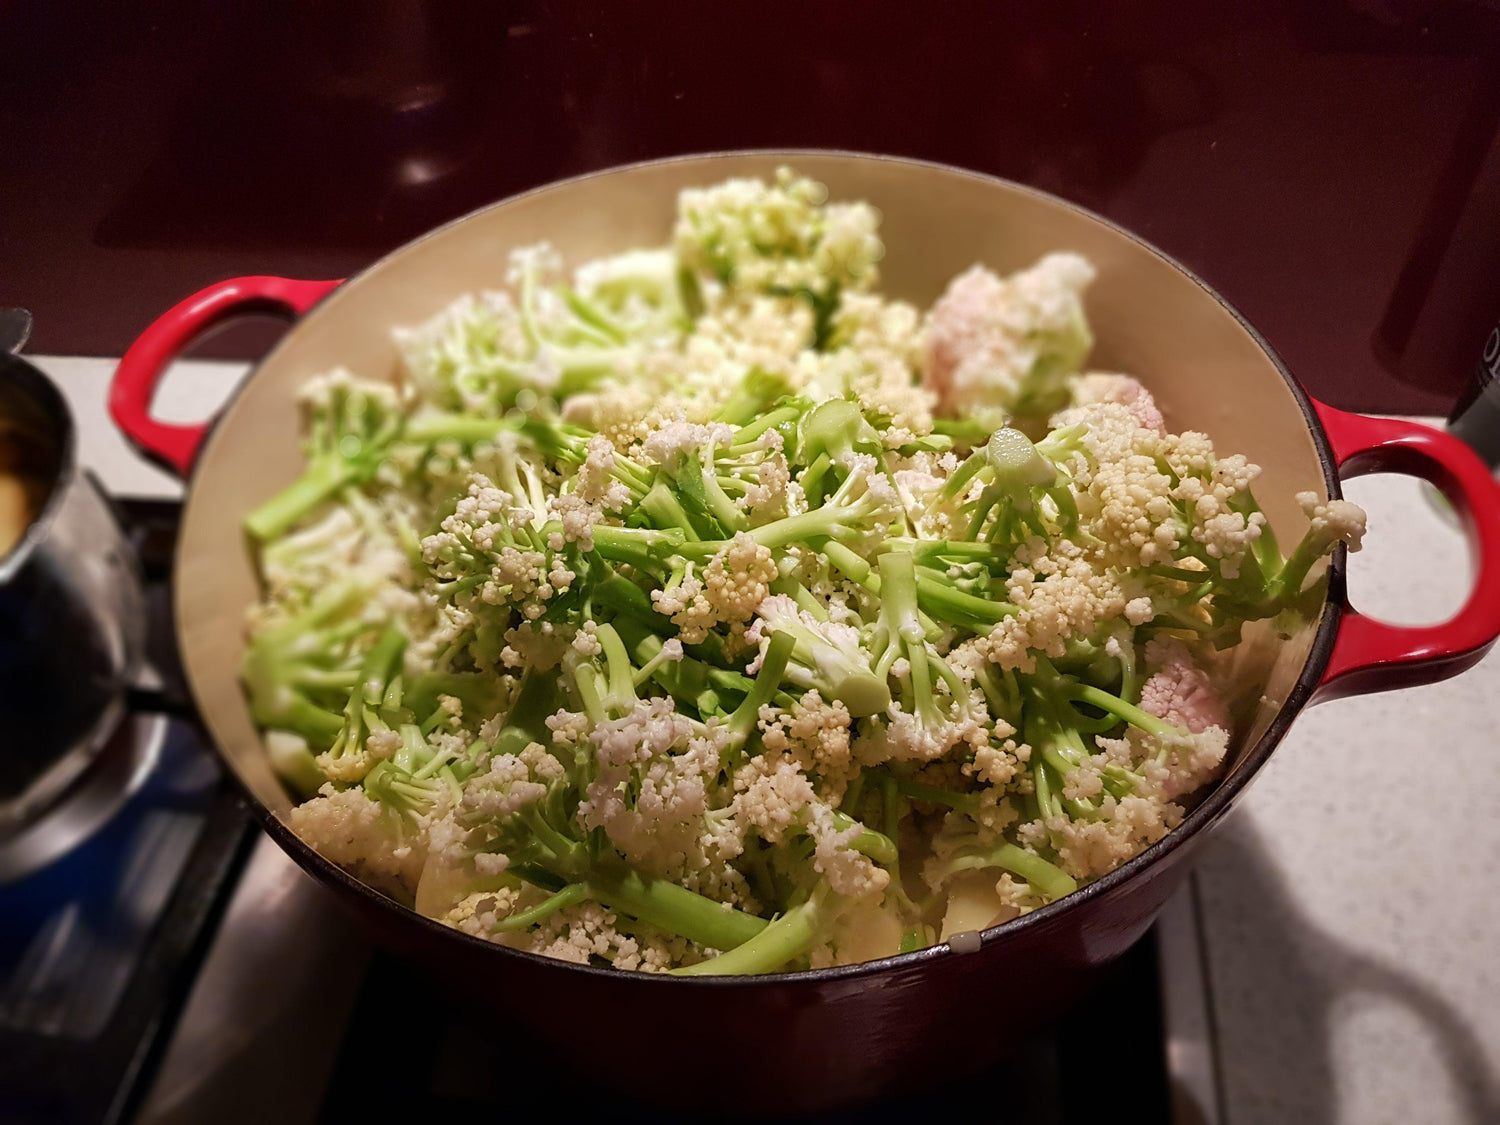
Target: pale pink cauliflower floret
<point>1182,694</point>
<point>1099,386</point>
<point>962,325</point>
<point>985,333</point>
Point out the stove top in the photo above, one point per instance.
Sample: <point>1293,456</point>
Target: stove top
<point>177,966</point>
<point>108,902</point>
<point>98,949</point>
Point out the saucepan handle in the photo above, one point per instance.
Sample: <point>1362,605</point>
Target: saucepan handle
<point>1369,655</point>
<point>135,380</point>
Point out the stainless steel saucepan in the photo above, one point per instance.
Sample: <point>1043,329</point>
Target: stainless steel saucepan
<point>72,616</point>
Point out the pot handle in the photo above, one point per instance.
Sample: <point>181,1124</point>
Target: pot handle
<point>134,384</point>
<point>1369,655</point>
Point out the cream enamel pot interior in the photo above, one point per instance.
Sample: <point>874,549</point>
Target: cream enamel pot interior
<point>830,1036</point>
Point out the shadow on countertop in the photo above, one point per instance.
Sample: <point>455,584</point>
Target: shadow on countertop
<point>1277,1064</point>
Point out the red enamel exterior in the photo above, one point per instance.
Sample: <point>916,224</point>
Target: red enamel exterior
<point>142,367</point>
<point>1369,655</point>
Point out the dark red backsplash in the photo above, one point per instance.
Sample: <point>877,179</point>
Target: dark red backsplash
<point>1331,167</point>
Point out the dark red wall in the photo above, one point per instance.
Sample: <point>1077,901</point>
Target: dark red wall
<point>1330,167</point>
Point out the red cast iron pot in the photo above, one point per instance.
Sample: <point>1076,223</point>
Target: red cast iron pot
<point>827,1037</point>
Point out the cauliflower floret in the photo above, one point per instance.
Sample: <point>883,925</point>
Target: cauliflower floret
<point>452,357</point>
<point>816,735</point>
<point>346,767</point>
<point>624,413</point>
<point>1169,764</point>
<point>1138,611</point>
<point>532,644</point>
<point>1334,520</point>
<point>584,642</point>
<point>595,483</point>
<point>771,792</point>
<point>999,765</point>
<point>1057,598</point>
<point>738,578</point>
<point>687,606</point>
<point>382,743</point>
<point>1124,499</point>
<point>769,497</point>
<point>352,830</point>
<point>773,795</point>
<point>908,737</point>
<point>849,872</point>
<point>873,326</point>
<point>638,289</point>
<point>335,547</point>
<point>651,794</point>
<point>920,491</point>
<point>1226,534</point>
<point>1123,829</point>
<point>1017,895</point>
<point>770,334</point>
<point>568,728</point>
<point>777,238</point>
<point>478,538</point>
<point>676,440</point>
<point>734,583</point>
<point>1009,343</point>
<point>588,930</point>
<point>827,656</point>
<point>578,517</point>
<point>515,575</point>
<point>885,391</point>
<point>478,912</point>
<point>1181,692</point>
<point>1194,761</point>
<point>871,356</point>
<point>1134,508</point>
<point>1099,386</point>
<point>506,787</point>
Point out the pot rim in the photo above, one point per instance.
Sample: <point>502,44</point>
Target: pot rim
<point>35,385</point>
<point>1203,816</point>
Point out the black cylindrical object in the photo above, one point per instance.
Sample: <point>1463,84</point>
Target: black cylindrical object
<point>1476,418</point>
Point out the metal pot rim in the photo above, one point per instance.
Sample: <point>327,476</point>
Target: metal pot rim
<point>40,389</point>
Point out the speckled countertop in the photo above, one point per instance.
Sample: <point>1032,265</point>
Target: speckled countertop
<point>1349,925</point>
<point>1348,908</point>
